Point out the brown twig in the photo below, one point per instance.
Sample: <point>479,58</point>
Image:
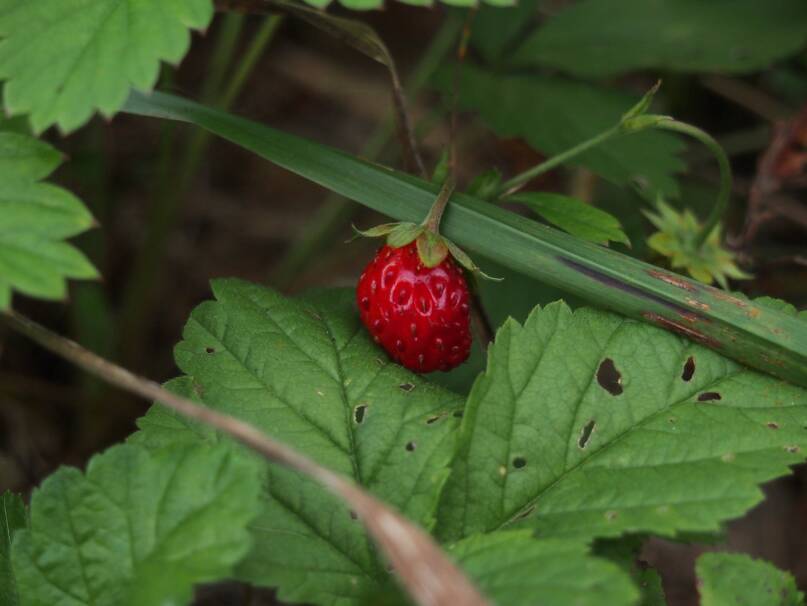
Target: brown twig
<point>364,39</point>
<point>426,573</point>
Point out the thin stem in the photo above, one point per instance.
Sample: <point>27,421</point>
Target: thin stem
<point>432,222</point>
<point>519,181</point>
<point>414,556</point>
<point>336,211</point>
<point>722,203</point>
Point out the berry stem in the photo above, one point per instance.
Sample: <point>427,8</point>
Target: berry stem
<point>432,222</point>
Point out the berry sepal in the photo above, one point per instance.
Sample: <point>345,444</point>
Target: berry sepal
<point>432,248</point>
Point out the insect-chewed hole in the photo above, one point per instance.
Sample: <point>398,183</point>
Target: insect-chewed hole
<point>519,462</point>
<point>407,387</point>
<point>210,350</point>
<point>585,433</point>
<point>410,446</point>
<point>708,396</point>
<point>689,369</point>
<point>609,378</point>
<point>353,515</point>
<point>458,414</point>
<point>358,413</point>
<point>433,419</point>
<point>772,425</point>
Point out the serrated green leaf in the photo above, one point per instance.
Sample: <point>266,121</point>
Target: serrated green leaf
<point>727,579</point>
<point>307,372</point>
<point>35,218</point>
<point>12,519</point>
<point>138,528</point>
<point>574,216</point>
<point>592,425</point>
<point>515,569</point>
<point>553,114</point>
<point>603,38</point>
<point>63,59</point>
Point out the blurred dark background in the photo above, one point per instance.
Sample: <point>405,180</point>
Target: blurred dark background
<point>177,209</point>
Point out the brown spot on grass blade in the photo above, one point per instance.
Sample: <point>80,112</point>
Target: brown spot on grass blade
<point>681,329</point>
<point>672,279</point>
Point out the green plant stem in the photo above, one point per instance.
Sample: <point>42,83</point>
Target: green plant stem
<point>138,299</point>
<point>520,180</point>
<point>335,212</point>
<point>231,27</point>
<point>404,545</point>
<point>432,222</point>
<point>724,194</point>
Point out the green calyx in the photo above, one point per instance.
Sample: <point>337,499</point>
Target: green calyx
<point>678,240</point>
<point>432,247</point>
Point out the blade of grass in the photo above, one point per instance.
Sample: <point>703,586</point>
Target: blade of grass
<point>763,338</point>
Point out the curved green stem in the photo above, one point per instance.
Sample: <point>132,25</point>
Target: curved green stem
<point>520,180</point>
<point>723,195</point>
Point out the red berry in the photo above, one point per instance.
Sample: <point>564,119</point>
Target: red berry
<point>419,315</point>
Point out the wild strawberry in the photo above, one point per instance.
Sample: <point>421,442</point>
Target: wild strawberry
<point>419,314</point>
<point>413,298</point>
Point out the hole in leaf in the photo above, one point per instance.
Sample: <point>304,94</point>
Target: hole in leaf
<point>431,420</point>
<point>407,387</point>
<point>689,369</point>
<point>353,515</point>
<point>210,350</point>
<point>773,425</point>
<point>585,433</point>
<point>358,413</point>
<point>458,414</point>
<point>519,462</point>
<point>792,449</point>
<point>410,446</point>
<point>609,378</point>
<point>707,396</point>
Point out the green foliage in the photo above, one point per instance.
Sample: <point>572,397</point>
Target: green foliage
<point>553,114</point>
<point>592,425</point>
<point>574,216</point>
<point>765,339</point>
<point>517,570</point>
<point>602,38</point>
<point>737,580</point>
<point>12,519</point>
<point>35,218</point>
<point>307,373</point>
<point>138,528</point>
<point>63,59</point>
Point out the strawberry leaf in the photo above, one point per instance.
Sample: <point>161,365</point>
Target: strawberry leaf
<point>306,372</point>
<point>574,216</point>
<point>735,579</point>
<point>12,519</point>
<point>553,114</point>
<point>35,218</point>
<point>63,59</point>
<point>593,425</point>
<point>516,569</point>
<point>737,36</point>
<point>137,528</point>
